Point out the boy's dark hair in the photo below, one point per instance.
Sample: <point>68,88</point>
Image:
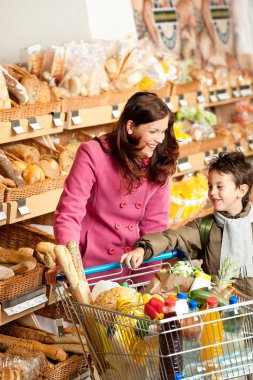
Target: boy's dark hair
<point>236,164</point>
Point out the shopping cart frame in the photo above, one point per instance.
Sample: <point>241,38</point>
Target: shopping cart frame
<point>89,316</point>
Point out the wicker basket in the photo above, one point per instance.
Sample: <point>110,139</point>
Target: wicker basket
<point>13,194</point>
<point>16,236</point>
<point>20,235</point>
<point>21,283</point>
<point>69,368</point>
<point>182,88</point>
<point>39,109</point>
<point>13,113</point>
<point>2,190</point>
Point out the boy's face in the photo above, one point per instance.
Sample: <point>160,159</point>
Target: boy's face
<point>224,194</point>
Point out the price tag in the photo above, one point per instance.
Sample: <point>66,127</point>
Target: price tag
<point>200,98</point>
<point>15,125</point>
<point>207,158</point>
<point>182,101</point>
<point>215,152</point>
<point>236,93</point>
<point>33,124</point>
<point>115,111</point>
<point>239,148</point>
<point>2,213</point>
<point>245,90</point>
<point>250,142</point>
<point>222,95</point>
<point>184,164</point>
<point>57,119</point>
<point>22,207</point>
<point>28,304</point>
<point>169,104</point>
<point>213,97</point>
<point>76,118</point>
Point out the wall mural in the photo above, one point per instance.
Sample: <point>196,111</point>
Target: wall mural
<point>199,29</point>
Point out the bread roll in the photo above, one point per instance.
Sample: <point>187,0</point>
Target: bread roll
<point>12,256</point>
<point>50,167</point>
<point>46,247</point>
<point>6,273</point>
<point>33,173</point>
<point>66,158</point>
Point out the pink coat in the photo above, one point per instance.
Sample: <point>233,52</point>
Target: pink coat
<point>94,211</point>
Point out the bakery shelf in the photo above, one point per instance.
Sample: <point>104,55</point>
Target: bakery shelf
<point>28,128</point>
<point>37,205</point>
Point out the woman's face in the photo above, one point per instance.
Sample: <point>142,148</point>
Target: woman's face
<point>150,134</point>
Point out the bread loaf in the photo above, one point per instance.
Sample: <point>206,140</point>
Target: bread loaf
<point>51,351</point>
<point>6,273</point>
<point>50,167</point>
<point>80,289</point>
<point>12,256</point>
<point>8,170</point>
<point>44,252</point>
<point>27,153</point>
<point>33,173</point>
<point>17,331</point>
<point>15,88</point>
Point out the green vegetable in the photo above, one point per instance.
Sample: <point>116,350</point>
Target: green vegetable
<point>184,268</point>
<point>142,328</point>
<point>202,295</point>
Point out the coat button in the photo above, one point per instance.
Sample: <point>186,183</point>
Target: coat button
<point>117,226</point>
<point>127,249</point>
<point>138,204</point>
<point>111,251</point>
<point>123,204</point>
<point>131,227</point>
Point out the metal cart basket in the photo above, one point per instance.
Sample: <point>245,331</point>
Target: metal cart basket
<point>127,347</point>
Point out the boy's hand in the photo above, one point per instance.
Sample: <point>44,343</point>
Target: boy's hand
<point>133,259</point>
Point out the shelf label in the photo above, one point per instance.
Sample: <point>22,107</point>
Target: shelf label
<point>182,101</point>
<point>245,90</point>
<point>250,142</point>
<point>26,305</point>
<point>213,97</point>
<point>236,93</point>
<point>207,158</point>
<point>15,125</point>
<point>169,104</point>
<point>22,207</point>
<point>222,95</point>
<point>115,111</point>
<point>200,98</point>
<point>76,119</point>
<point>2,213</point>
<point>57,119</point>
<point>184,164</point>
<point>239,148</point>
<point>34,124</point>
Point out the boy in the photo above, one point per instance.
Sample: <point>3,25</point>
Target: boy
<point>230,179</point>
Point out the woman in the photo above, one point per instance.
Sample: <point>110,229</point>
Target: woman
<point>119,184</point>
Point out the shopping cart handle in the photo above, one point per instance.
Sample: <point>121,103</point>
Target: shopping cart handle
<point>175,253</point>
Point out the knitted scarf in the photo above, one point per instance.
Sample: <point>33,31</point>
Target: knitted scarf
<point>237,240</point>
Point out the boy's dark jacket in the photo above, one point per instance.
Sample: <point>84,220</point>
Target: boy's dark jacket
<point>187,238</point>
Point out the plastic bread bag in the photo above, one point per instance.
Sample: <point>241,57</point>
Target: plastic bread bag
<point>53,64</point>
<point>84,73</point>
<point>32,58</point>
<point>19,368</point>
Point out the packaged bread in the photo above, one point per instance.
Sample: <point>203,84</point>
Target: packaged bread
<point>108,299</point>
<point>15,89</point>
<point>5,101</point>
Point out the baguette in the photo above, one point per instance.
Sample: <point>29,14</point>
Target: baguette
<point>73,348</point>
<point>65,260</point>
<point>26,333</point>
<point>51,351</point>
<point>80,288</point>
<point>77,261</point>
<point>69,339</point>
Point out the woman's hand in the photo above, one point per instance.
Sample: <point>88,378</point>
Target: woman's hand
<point>133,259</point>
<point>51,274</point>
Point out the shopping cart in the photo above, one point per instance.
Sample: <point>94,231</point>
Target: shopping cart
<point>127,347</point>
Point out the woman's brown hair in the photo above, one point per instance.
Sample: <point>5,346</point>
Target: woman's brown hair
<point>142,108</point>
